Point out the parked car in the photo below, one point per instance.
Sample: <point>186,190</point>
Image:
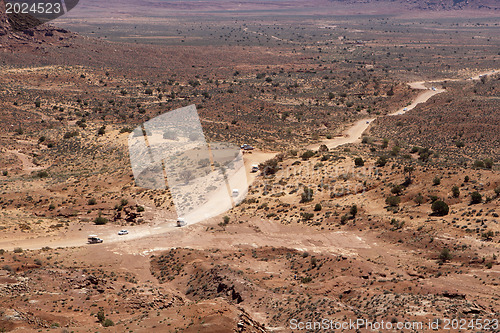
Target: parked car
<point>246,147</point>
<point>181,222</point>
<point>255,168</point>
<point>123,232</point>
<point>93,239</point>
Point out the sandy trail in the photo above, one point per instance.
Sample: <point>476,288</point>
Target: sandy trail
<point>28,165</point>
<point>355,131</point>
<point>161,233</point>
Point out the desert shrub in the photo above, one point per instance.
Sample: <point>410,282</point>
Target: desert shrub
<point>307,195</point>
<point>100,220</point>
<point>125,130</point>
<point>488,163</point>
<point>381,161</point>
<point>123,202</point>
<point>436,181</point>
<point>225,219</point>
<point>307,155</point>
<point>478,164</point>
<point>476,198</point>
<point>440,208</point>
<point>18,250</point>
<point>269,167</point>
<point>433,198</point>
<point>455,191</point>
<point>148,91</point>
<point>101,316</point>
<point>140,209</point>
<point>445,255</point>
<point>71,134</point>
<point>487,236</point>
<point>358,161</point>
<point>397,189</point>
<point>497,191</point>
<point>385,143</point>
<point>466,179</point>
<point>306,279</point>
<point>393,201</point>
<point>38,262</point>
<point>5,173</point>
<point>419,199</point>
<point>353,211</point>
<point>395,150</point>
<point>317,207</point>
<point>92,202</point>
<point>42,174</point>
<point>307,216</point>
<point>108,323</point>
<point>38,104</point>
<point>102,130</point>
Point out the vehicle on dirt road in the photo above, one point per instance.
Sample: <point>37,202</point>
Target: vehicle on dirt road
<point>93,239</point>
<point>123,232</point>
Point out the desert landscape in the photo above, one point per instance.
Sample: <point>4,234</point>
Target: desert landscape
<point>375,126</point>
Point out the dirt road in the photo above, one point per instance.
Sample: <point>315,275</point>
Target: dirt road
<point>161,232</point>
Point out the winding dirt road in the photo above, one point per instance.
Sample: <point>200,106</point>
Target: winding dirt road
<point>161,232</point>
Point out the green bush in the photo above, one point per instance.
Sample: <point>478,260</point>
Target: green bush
<point>100,220</point>
<point>476,198</point>
<point>318,207</point>
<point>353,211</point>
<point>358,161</point>
<point>307,195</point>
<point>445,255</point>
<point>108,323</point>
<point>440,208</point>
<point>381,161</point>
<point>307,155</point>
<point>393,201</point>
<point>436,181</point>
<point>455,190</point>
<point>102,130</point>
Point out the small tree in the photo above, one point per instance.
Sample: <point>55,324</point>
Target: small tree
<point>476,198</point>
<point>102,130</point>
<point>497,191</point>
<point>436,181</point>
<point>445,255</point>
<point>101,316</point>
<point>455,191</point>
<point>381,161</point>
<point>100,220</point>
<point>317,207</point>
<point>307,155</point>
<point>397,189</point>
<point>419,199</point>
<point>307,195</point>
<point>353,211</point>
<point>440,208</point>
<point>358,161</point>
<point>393,201</point>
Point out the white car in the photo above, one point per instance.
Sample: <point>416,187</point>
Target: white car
<point>123,232</point>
